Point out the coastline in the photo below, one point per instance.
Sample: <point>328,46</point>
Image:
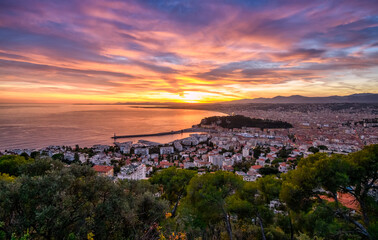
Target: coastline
<point>37,125</point>
<point>187,130</point>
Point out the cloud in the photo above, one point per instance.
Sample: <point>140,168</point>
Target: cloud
<point>165,48</point>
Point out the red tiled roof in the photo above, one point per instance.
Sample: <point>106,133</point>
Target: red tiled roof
<point>345,199</point>
<point>256,167</point>
<point>102,168</point>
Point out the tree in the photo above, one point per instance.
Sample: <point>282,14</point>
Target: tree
<point>257,152</point>
<point>268,171</point>
<point>11,164</point>
<point>58,156</point>
<point>323,147</point>
<point>251,202</point>
<point>313,149</point>
<point>76,203</point>
<point>321,175</point>
<point>213,189</point>
<point>76,158</point>
<point>173,182</point>
<point>363,175</point>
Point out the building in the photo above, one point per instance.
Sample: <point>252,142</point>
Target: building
<point>141,151</point>
<point>245,152</point>
<point>165,164</point>
<point>216,159</point>
<point>104,170</point>
<point>178,145</point>
<point>283,167</point>
<point>133,171</point>
<point>166,150</point>
<point>100,148</point>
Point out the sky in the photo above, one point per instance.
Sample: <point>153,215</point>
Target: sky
<point>107,51</point>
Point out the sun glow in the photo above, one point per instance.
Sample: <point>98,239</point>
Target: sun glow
<point>192,97</point>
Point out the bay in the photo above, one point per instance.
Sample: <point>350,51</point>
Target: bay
<point>41,125</point>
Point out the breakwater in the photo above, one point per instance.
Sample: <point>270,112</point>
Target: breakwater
<point>165,133</point>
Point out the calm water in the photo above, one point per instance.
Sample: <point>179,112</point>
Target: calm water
<point>35,126</point>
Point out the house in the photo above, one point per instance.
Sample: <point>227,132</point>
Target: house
<point>104,170</point>
<point>283,167</point>
<point>261,161</point>
<point>141,151</point>
<point>237,157</point>
<point>100,148</point>
<point>216,159</point>
<point>124,147</point>
<point>189,165</point>
<point>228,168</point>
<point>177,145</point>
<point>165,164</point>
<point>134,171</point>
<point>201,164</point>
<point>246,152</point>
<point>255,168</point>
<point>166,150</point>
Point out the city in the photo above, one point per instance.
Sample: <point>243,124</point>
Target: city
<point>243,151</point>
<point>188,120</point>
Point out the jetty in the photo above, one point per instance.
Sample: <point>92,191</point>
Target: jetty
<point>187,130</point>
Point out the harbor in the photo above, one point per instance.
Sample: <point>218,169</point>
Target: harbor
<point>187,130</point>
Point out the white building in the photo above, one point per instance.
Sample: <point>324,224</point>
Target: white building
<point>245,152</point>
<point>216,160</point>
<point>133,171</point>
<point>166,150</point>
<point>178,145</point>
<point>283,167</point>
<point>141,151</point>
<point>100,148</point>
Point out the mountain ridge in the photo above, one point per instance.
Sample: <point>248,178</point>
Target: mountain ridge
<point>354,98</point>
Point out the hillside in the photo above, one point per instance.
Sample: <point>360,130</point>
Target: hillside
<point>240,121</point>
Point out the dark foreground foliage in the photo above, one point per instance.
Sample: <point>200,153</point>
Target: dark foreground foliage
<point>74,203</point>
<point>47,200</point>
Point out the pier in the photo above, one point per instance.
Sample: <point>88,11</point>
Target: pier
<point>164,133</point>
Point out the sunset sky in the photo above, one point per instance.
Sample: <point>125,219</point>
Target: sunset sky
<point>99,51</point>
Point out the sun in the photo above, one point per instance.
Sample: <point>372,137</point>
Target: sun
<point>193,97</point>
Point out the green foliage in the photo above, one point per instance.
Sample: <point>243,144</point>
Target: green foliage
<point>313,149</point>
<point>173,182</point>
<point>47,200</point>
<point>41,166</point>
<point>11,164</point>
<point>257,152</point>
<point>58,156</point>
<point>6,177</point>
<point>268,171</point>
<point>269,188</point>
<point>320,174</point>
<point>322,147</point>
<point>74,202</point>
<point>242,166</point>
<point>284,153</point>
<point>239,121</point>
<point>207,198</point>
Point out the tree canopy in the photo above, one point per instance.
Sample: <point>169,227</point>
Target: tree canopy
<point>328,196</point>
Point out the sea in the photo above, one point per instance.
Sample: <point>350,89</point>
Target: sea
<point>35,126</point>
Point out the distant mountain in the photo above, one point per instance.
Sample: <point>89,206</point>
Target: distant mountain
<point>354,98</point>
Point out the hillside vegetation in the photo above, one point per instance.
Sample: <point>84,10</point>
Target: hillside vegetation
<point>44,199</point>
<point>239,121</point>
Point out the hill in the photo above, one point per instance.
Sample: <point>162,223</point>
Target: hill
<point>355,98</point>
<point>240,121</point>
